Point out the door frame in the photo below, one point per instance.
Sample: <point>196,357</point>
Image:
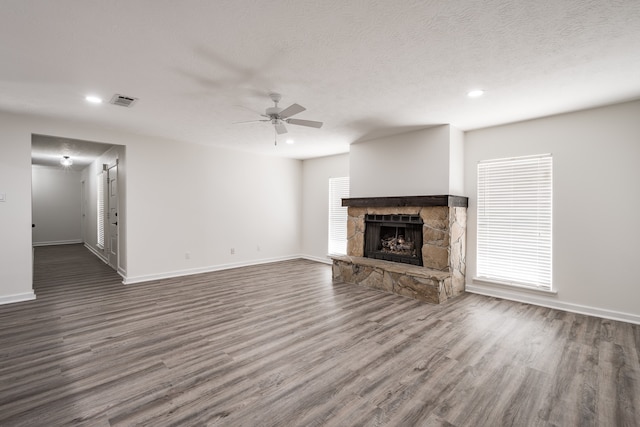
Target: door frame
<point>83,210</point>
<point>113,263</point>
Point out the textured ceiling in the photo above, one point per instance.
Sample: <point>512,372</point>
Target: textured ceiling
<point>49,150</point>
<point>363,67</point>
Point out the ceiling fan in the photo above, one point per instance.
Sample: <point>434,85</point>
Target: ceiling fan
<point>278,117</point>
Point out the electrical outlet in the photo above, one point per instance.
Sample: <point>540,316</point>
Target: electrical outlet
<point>187,255</point>
<point>233,251</point>
<point>258,248</point>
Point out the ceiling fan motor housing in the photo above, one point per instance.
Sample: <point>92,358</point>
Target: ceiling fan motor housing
<point>273,111</point>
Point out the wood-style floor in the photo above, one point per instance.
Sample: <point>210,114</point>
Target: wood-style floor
<point>281,345</point>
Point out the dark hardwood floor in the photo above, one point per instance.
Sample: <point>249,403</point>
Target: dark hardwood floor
<point>281,345</point>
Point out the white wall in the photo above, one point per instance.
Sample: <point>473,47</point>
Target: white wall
<point>206,201</point>
<point>409,164</point>
<point>178,198</point>
<point>596,201</point>
<point>315,202</point>
<point>56,202</point>
<point>15,212</point>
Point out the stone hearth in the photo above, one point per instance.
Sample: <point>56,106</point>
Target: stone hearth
<point>442,275</point>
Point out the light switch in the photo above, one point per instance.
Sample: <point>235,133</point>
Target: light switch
<point>3,197</point>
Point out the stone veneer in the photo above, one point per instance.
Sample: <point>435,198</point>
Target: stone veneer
<point>442,275</point>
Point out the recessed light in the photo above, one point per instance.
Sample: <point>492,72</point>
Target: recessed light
<point>475,93</point>
<point>93,99</point>
<point>290,141</point>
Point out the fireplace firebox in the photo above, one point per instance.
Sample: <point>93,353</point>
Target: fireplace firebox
<point>395,238</point>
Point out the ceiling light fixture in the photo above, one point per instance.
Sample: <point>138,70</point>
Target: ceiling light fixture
<point>66,161</point>
<point>290,141</point>
<point>475,93</point>
<point>93,99</point>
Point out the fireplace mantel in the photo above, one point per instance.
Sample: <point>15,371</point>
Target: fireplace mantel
<point>403,201</point>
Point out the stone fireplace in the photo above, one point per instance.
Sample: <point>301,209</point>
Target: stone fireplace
<point>412,246</point>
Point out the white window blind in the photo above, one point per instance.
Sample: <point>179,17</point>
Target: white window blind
<point>100,209</point>
<point>514,220</point>
<point>338,189</point>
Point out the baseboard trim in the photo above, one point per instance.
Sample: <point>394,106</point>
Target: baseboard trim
<point>209,269</point>
<point>558,305</point>
<point>10,299</point>
<point>57,242</point>
<point>317,259</point>
<point>96,253</point>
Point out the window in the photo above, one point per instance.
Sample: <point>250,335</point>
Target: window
<point>338,189</point>
<point>514,221</point>
<point>100,210</point>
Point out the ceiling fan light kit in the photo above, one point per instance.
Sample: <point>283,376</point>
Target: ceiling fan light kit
<point>66,161</point>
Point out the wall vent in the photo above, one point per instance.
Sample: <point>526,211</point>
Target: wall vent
<point>123,101</point>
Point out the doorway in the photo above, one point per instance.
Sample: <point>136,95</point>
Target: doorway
<point>80,203</point>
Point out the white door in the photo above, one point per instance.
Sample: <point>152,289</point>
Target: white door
<point>112,216</point>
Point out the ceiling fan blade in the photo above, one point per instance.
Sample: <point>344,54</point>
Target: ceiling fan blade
<point>251,121</point>
<point>291,110</point>
<point>280,128</point>
<point>310,123</point>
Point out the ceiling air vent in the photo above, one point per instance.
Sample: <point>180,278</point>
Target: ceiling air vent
<point>123,101</point>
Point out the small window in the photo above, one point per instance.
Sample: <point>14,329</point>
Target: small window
<point>514,221</point>
<point>338,189</point>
